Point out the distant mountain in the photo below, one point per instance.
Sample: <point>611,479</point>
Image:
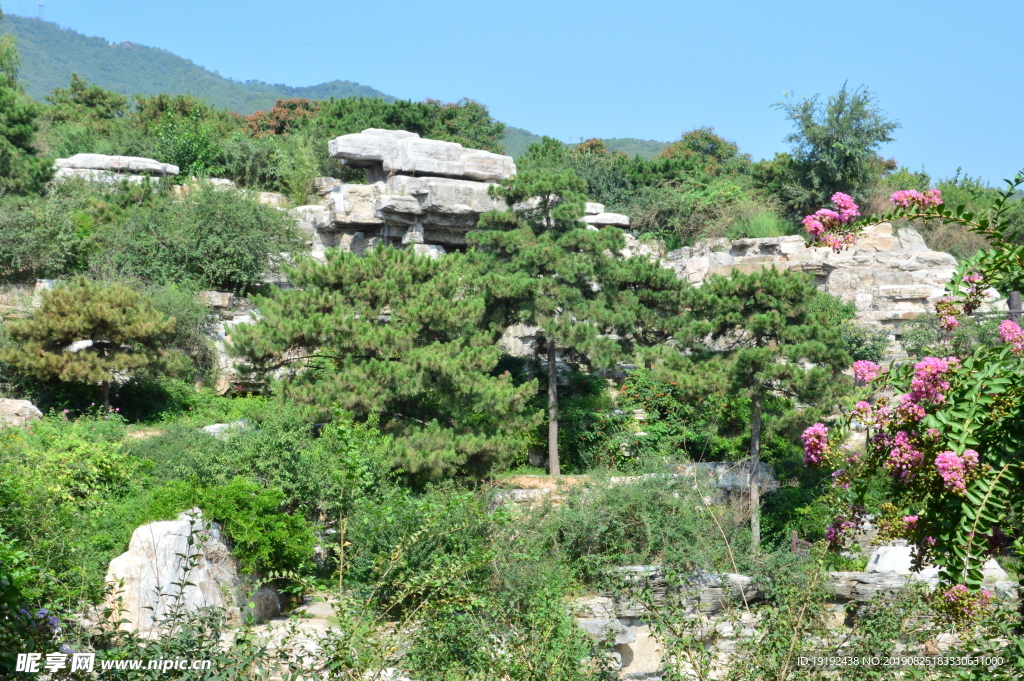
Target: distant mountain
<point>50,54</point>
<point>517,140</point>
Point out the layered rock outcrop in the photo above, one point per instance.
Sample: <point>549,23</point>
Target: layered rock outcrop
<point>889,277</point>
<point>163,572</point>
<point>111,169</point>
<point>421,194</point>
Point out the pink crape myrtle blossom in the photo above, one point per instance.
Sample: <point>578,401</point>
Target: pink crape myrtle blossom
<point>828,226</point>
<point>1011,333</point>
<point>904,458</point>
<point>930,383</point>
<point>815,444</point>
<point>909,411</point>
<point>953,469</point>
<point>905,198</point>
<point>865,371</point>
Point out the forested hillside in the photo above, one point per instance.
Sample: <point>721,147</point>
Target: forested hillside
<point>50,55</point>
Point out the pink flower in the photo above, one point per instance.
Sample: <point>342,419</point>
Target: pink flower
<point>903,458</point>
<point>910,521</point>
<point>953,469</point>
<point>828,226</point>
<point>815,444</point>
<point>1010,332</point>
<point>929,382</point>
<point>865,371</point>
<point>905,198</point>
<point>909,410</point>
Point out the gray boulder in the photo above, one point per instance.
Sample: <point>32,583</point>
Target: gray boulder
<point>163,571</point>
<point>388,152</point>
<point>117,164</point>
<point>18,412</point>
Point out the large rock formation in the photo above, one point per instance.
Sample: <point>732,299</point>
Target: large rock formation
<point>111,169</point>
<point>890,278</point>
<point>163,572</point>
<point>421,194</point>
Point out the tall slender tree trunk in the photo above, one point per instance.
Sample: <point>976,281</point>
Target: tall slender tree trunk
<point>553,467</point>
<point>1013,302</point>
<point>106,396</point>
<point>755,460</point>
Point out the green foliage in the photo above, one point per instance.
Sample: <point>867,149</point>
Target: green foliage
<point>127,336</point>
<point>52,54</point>
<point>755,320</point>
<point>923,336</point>
<point>404,337</point>
<point>319,475</point>
<point>759,226</point>
<point>865,343</point>
<point>22,171</point>
<point>544,268</point>
<point>81,101</point>
<point>263,536</point>
<point>835,145</point>
<point>213,240</point>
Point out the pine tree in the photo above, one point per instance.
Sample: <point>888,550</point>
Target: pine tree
<point>545,268</point>
<point>92,333</point>
<point>402,338</point>
<point>21,170</point>
<point>773,334</point>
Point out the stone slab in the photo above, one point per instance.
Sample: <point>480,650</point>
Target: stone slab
<point>406,153</point>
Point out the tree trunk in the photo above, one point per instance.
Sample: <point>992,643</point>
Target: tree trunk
<point>553,468</point>
<point>755,460</point>
<point>106,396</point>
<point>1013,302</point>
<point>342,527</point>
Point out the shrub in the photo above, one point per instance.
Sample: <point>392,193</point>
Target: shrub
<point>213,239</point>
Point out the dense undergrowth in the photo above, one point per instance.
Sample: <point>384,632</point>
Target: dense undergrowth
<point>391,416</point>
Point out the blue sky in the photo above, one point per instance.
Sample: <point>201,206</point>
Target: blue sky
<point>644,68</point>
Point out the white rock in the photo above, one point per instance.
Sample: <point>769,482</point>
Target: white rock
<point>355,204</point>
<point>591,208</point>
<point>606,220</point>
<point>899,559</point>
<point>432,251</point>
<point>222,431</point>
<point>401,152</point>
<point>272,199</point>
<point>148,578</point>
<point>117,164</point>
<point>18,412</point>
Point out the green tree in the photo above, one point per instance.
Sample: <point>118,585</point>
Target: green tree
<point>774,338</point>
<point>835,145</point>
<point>547,269</point>
<point>90,332</point>
<point>21,170</point>
<point>403,338</point>
<point>83,102</point>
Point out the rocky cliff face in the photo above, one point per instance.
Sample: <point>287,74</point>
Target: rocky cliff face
<point>889,277</point>
<point>421,194</point>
